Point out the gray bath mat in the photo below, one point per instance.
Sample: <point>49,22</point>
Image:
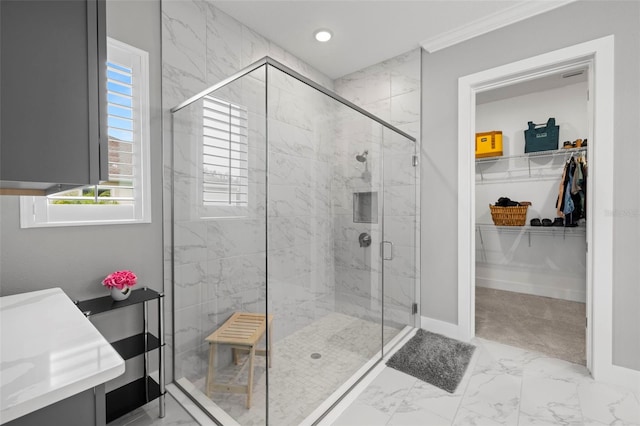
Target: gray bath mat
<point>434,358</point>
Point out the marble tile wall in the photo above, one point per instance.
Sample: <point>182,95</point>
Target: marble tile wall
<point>220,264</point>
<point>390,90</point>
<point>301,278</point>
<point>358,284</point>
<point>314,261</point>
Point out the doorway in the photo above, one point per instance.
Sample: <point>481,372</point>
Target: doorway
<point>597,57</point>
<point>531,279</point>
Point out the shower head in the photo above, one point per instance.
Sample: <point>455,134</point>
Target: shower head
<point>362,157</point>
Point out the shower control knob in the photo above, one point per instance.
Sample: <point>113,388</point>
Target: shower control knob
<point>364,239</point>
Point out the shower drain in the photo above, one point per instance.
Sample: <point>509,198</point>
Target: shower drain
<point>315,355</point>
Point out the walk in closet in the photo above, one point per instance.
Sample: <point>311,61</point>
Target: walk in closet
<point>531,280</point>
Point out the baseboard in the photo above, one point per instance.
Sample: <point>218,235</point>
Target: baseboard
<point>442,327</point>
<point>621,376</point>
<point>527,288</point>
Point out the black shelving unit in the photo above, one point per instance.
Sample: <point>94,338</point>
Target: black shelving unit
<point>145,389</point>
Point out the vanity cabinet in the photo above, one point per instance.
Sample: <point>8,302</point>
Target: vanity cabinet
<point>53,95</point>
<point>53,362</point>
<point>142,345</point>
<point>82,409</point>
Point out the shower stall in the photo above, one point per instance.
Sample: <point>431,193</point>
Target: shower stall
<point>291,202</point>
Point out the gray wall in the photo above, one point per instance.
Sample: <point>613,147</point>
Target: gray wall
<point>569,25</point>
<point>78,258</point>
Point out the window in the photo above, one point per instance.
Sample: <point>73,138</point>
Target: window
<point>224,154</point>
<point>124,197</point>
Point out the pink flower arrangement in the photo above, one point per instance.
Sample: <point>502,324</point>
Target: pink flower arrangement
<point>120,280</point>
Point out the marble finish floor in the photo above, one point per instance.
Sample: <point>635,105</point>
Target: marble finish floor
<point>553,327</point>
<point>504,385</point>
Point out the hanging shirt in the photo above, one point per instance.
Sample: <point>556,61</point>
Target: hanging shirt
<point>568,201</point>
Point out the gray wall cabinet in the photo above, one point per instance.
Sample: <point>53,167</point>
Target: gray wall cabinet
<point>53,95</point>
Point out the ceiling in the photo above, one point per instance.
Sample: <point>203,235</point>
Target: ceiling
<point>368,32</point>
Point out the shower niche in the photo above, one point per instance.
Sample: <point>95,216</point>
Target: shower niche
<point>365,207</point>
<point>265,196</point>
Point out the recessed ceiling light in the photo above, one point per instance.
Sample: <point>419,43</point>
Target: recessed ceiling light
<point>323,35</point>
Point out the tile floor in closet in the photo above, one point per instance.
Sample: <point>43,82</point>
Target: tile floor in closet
<point>554,327</point>
<point>504,385</point>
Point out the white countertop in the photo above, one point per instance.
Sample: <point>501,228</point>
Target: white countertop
<point>49,351</point>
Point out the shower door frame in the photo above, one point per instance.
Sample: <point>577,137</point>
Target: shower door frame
<point>329,404</point>
<point>285,69</point>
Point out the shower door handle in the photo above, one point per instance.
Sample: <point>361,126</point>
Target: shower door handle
<point>387,254</point>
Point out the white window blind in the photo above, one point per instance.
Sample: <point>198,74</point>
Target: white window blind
<point>224,153</point>
<point>119,188</point>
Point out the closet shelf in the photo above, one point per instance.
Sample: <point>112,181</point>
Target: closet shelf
<point>539,230</point>
<point>563,153</point>
<point>543,165</point>
<point>528,230</point>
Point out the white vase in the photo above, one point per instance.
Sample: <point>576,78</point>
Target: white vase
<point>118,295</point>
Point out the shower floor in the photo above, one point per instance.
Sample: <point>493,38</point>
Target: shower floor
<point>299,380</point>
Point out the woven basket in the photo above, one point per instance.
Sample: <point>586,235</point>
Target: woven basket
<point>509,216</point>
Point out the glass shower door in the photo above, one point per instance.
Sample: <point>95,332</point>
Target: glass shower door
<point>324,209</point>
<point>219,228</point>
<point>400,272</point>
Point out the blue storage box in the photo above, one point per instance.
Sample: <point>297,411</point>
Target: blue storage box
<point>542,137</point>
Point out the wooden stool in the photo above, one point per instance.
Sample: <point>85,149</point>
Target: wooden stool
<point>241,331</point>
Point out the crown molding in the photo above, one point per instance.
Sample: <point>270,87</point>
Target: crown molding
<point>511,15</point>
